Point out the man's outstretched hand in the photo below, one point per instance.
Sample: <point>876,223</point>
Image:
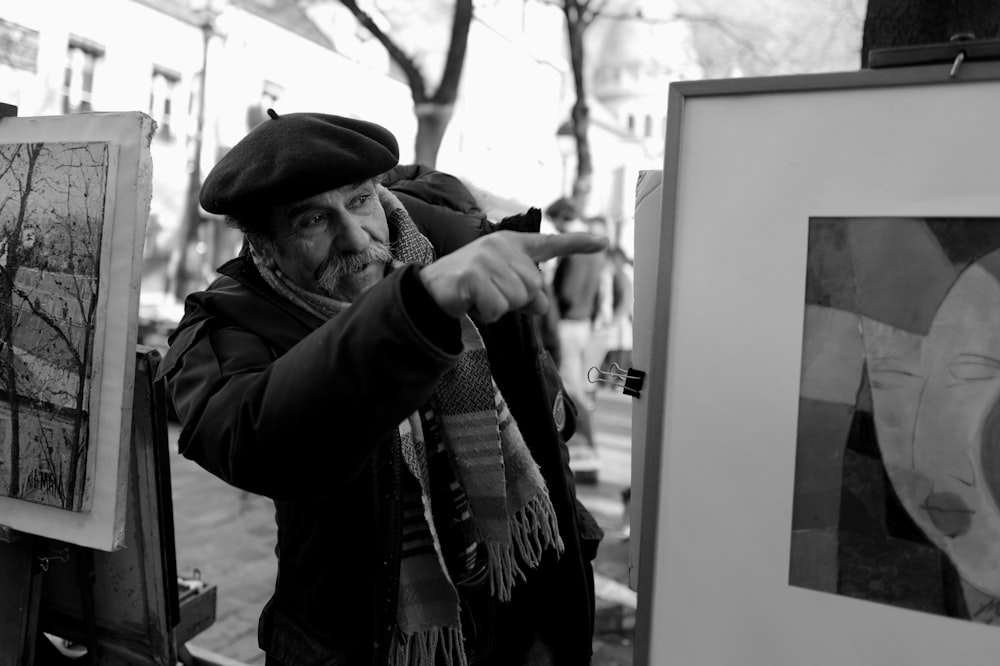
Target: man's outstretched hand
<point>498,272</point>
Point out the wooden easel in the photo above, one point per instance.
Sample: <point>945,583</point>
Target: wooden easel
<point>124,606</point>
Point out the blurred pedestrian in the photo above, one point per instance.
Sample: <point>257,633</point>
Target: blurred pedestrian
<point>576,285</point>
<point>549,322</point>
<point>575,289</point>
<point>622,297</point>
<point>370,363</point>
<point>603,317</point>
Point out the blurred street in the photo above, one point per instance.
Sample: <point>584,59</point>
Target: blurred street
<point>227,537</point>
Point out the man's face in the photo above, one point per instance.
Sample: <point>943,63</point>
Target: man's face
<point>334,243</point>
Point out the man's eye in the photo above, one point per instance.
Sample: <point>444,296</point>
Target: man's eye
<point>360,200</point>
<point>314,220</point>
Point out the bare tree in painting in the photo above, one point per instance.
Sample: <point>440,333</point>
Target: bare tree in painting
<point>10,255</point>
<point>75,239</point>
<point>49,288</point>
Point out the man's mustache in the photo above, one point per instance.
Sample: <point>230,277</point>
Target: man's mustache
<point>339,265</point>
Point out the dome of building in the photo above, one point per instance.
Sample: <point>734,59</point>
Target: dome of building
<point>637,51</point>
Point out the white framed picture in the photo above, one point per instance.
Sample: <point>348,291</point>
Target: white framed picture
<point>74,200</point>
<point>819,425</point>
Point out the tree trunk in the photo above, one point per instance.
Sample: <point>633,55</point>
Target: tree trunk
<point>584,182</point>
<point>81,418</point>
<point>433,112</point>
<point>891,23</point>
<point>181,273</point>
<point>180,278</point>
<point>10,379</point>
<point>575,26</point>
<point>432,121</point>
<point>14,249</point>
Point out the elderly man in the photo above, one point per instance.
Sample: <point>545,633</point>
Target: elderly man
<point>378,374</point>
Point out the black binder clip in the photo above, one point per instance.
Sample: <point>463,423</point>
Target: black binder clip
<point>629,381</point>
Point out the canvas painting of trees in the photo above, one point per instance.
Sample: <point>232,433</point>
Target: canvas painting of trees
<point>52,215</point>
<point>75,194</point>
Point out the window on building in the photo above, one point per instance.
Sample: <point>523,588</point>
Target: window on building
<point>631,123</point>
<point>162,100</point>
<point>649,126</point>
<point>18,46</point>
<point>78,83</point>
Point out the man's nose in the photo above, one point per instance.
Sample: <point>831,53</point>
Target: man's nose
<point>351,237</point>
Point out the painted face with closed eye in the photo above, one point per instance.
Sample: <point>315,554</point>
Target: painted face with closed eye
<point>937,417</point>
<point>334,243</point>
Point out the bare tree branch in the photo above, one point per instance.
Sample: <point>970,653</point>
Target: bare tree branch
<point>457,46</point>
<point>414,77</point>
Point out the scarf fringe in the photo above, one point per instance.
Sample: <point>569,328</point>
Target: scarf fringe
<point>502,568</point>
<point>534,529</point>
<point>422,648</point>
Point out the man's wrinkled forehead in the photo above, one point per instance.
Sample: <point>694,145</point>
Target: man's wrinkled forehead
<point>324,199</point>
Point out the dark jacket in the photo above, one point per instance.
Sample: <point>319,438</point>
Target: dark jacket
<point>277,402</point>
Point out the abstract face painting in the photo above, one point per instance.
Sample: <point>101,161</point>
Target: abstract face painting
<point>897,488</point>
<point>936,403</point>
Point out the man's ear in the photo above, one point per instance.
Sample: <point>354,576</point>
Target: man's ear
<point>261,249</point>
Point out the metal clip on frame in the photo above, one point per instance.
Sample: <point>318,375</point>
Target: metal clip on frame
<point>629,381</point>
<point>54,553</point>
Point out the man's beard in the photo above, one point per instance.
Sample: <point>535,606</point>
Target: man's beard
<point>339,266</point>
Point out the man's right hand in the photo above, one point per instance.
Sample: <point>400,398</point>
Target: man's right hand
<point>498,273</point>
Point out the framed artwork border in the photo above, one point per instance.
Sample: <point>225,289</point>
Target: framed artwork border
<point>127,201</point>
<point>718,327</point>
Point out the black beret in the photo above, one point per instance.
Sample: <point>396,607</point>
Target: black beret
<point>296,156</point>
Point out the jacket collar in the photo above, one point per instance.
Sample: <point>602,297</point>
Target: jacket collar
<point>244,271</point>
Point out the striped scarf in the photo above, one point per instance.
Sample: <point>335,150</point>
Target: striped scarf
<point>494,482</point>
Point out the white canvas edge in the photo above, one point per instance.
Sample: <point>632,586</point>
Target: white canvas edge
<point>752,170</point>
<point>648,195</point>
<point>128,135</point>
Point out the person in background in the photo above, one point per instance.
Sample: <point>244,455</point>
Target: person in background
<point>575,289</point>
<point>549,322</point>
<point>602,319</point>
<point>370,361</point>
<point>622,290</point>
<point>576,285</point>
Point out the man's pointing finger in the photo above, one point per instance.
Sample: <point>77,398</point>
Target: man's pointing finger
<point>542,247</point>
